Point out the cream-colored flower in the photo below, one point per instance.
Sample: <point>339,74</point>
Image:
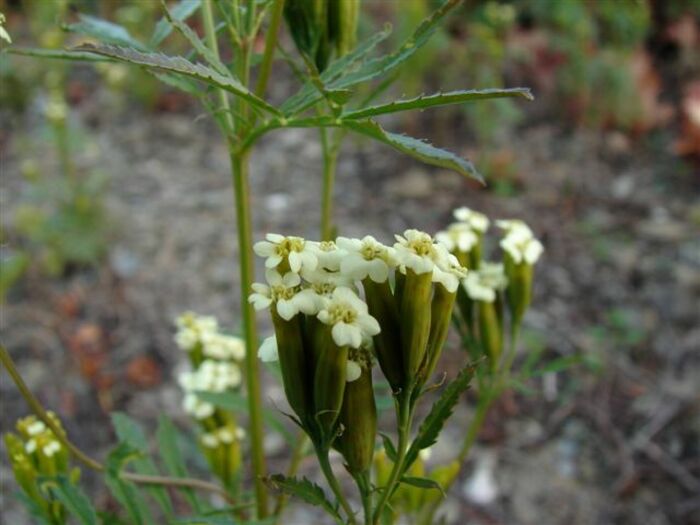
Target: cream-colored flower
<point>366,257</point>
<point>4,35</point>
<point>514,225</point>
<point>51,448</point>
<point>475,220</point>
<point>209,440</point>
<point>268,351</point>
<point>223,347</point>
<point>295,250</point>
<point>286,294</point>
<point>416,250</point>
<point>483,284</point>
<point>521,245</point>
<point>348,316</point>
<point>193,329</point>
<point>447,270</point>
<point>36,428</point>
<point>353,371</point>
<point>458,237</point>
<point>327,253</point>
<point>194,406</point>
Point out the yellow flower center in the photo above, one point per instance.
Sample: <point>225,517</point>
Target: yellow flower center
<point>371,251</point>
<point>288,245</point>
<point>282,292</point>
<point>341,313</point>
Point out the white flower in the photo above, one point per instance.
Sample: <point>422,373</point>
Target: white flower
<point>295,250</point>
<point>225,435</point>
<point>476,221</point>
<point>514,225</point>
<point>416,250</point>
<point>209,440</point>
<point>366,257</point>
<point>211,376</point>
<point>447,270</point>
<point>483,284</point>
<point>458,236</point>
<point>30,446</point>
<point>268,351</point>
<point>348,316</point>
<point>193,329</point>
<point>223,347</point>
<point>36,428</point>
<point>327,253</point>
<point>285,293</point>
<point>521,244</point>
<point>51,448</point>
<point>321,284</point>
<point>196,407</point>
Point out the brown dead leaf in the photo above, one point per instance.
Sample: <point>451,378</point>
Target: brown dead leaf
<point>143,372</point>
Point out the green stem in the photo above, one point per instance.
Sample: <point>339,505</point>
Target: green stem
<point>322,454</point>
<point>270,45</point>
<point>81,456</point>
<point>239,164</point>
<point>363,484</point>
<point>404,424</point>
<point>330,161</point>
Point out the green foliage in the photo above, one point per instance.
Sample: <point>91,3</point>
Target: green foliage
<point>75,501</point>
<point>306,491</point>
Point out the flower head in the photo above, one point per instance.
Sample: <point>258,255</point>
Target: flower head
<point>285,293</point>
<point>327,253</point>
<point>295,250</point>
<point>447,270</point>
<point>348,316</point>
<point>268,351</point>
<point>193,329</point>
<point>478,222</point>
<point>366,257</point>
<point>416,250</point>
<point>520,243</point>
<point>458,237</point>
<point>4,35</point>
<point>483,284</point>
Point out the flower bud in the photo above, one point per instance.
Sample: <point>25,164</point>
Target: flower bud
<point>387,344</point>
<point>519,287</point>
<point>358,416</point>
<point>490,332</point>
<point>329,381</point>
<point>343,16</point>
<point>307,22</point>
<point>294,360</point>
<point>440,317</point>
<point>415,320</point>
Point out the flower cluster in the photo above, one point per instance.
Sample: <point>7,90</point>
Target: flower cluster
<point>214,358</point>
<point>36,452</point>
<point>335,305</point>
<point>490,285</point>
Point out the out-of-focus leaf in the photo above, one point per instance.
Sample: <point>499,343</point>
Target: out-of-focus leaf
<point>11,269</point>
<point>438,99</point>
<point>180,11</point>
<point>423,483</point>
<point>389,447</point>
<point>305,490</point>
<point>74,500</point>
<point>105,31</point>
<point>179,65</point>
<point>127,494</point>
<point>57,54</point>
<point>167,436</point>
<point>414,147</point>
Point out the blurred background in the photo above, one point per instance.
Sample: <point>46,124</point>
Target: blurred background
<point>116,216</point>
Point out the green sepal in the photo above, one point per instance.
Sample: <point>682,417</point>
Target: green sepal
<point>382,306</point>
<point>519,287</point>
<point>440,316</point>
<point>415,321</point>
<point>294,361</point>
<point>490,332</point>
<point>358,417</point>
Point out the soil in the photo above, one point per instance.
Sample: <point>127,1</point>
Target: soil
<point>614,439</point>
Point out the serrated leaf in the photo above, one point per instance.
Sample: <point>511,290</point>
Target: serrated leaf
<point>438,99</point>
<point>56,54</point>
<point>414,147</point>
<point>199,46</point>
<point>32,507</point>
<point>126,493</point>
<point>129,432</point>
<point>167,437</point>
<point>387,63</point>
<point>308,95</point>
<point>75,501</point>
<point>441,410</point>
<point>105,31</point>
<point>180,11</point>
<point>423,483</point>
<point>305,490</point>
<point>179,65</point>
<point>389,447</point>
<point>236,402</point>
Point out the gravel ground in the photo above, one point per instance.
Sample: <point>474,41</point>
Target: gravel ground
<point>614,440</point>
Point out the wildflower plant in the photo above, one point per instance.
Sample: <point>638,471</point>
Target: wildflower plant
<point>338,305</point>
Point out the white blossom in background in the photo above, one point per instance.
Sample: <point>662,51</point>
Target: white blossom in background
<point>223,347</point>
<point>447,270</point>
<point>348,316</point>
<point>520,243</point>
<point>51,448</point>
<point>366,257</point>
<point>36,428</point>
<point>192,329</point>
<point>295,250</point>
<point>197,408</point>
<point>285,293</point>
<point>458,237</point>
<point>483,284</point>
<point>4,35</point>
<point>477,221</point>
<point>211,376</point>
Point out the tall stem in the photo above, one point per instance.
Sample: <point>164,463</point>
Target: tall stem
<point>270,45</point>
<point>239,164</point>
<point>405,416</point>
<point>330,159</point>
<point>297,456</point>
<point>239,172</point>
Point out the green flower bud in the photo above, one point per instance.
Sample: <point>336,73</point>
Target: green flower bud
<point>358,416</point>
<point>519,287</point>
<point>415,320</point>
<point>294,363</point>
<point>490,332</point>
<point>387,344</point>
<point>440,317</point>
<point>343,16</point>
<point>307,22</point>
<point>328,383</point>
